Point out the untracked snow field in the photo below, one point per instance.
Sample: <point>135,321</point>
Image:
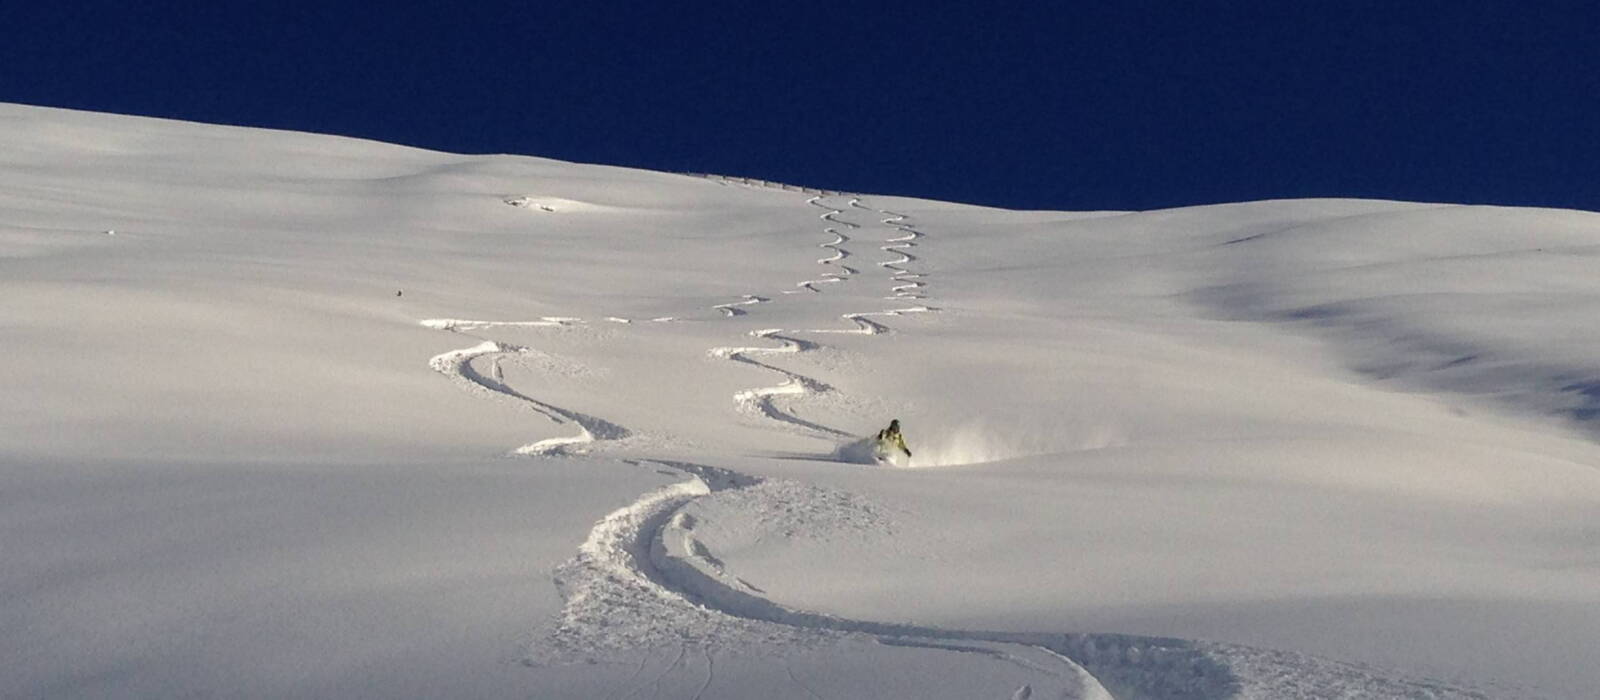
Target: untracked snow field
<point>288,415</point>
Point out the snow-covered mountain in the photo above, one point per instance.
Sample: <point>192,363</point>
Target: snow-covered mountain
<point>294,415</point>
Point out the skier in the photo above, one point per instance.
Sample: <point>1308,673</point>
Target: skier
<point>890,437</point>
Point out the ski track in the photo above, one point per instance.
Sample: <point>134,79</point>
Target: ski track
<point>680,571</point>
<point>637,671</point>
<point>642,579</point>
<point>460,367</point>
<point>763,400</point>
<point>908,284</point>
<point>838,255</point>
<point>652,581</point>
<point>732,309</point>
<point>711,674</point>
<point>796,680</point>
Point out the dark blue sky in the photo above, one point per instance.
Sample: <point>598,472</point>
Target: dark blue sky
<point>1109,105</point>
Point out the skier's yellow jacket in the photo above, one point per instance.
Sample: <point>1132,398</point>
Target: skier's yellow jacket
<point>892,436</point>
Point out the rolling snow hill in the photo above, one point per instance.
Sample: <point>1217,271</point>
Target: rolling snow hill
<point>295,415</point>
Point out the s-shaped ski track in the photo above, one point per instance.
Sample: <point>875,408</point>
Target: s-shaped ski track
<point>644,579</point>
<point>460,367</point>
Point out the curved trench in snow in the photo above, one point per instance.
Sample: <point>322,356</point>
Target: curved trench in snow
<point>644,579</point>
<point>679,563</point>
<point>839,254</point>
<point>460,367</point>
<point>731,309</point>
<point>644,560</point>
<point>763,401</point>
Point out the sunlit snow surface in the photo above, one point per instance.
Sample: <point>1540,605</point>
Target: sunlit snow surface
<point>334,418</point>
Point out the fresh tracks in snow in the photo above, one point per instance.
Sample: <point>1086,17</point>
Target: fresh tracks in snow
<point>907,285</point>
<point>762,400</point>
<point>731,309</point>
<point>839,254</point>
<point>461,367</point>
<point>644,579</point>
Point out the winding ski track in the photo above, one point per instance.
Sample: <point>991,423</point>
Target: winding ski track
<point>908,285</point>
<point>763,400</point>
<point>643,579</point>
<point>760,400</point>
<point>646,559</point>
<point>460,367</point>
<point>839,254</point>
<point>732,308</point>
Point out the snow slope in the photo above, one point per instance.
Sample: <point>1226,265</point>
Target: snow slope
<point>295,415</point>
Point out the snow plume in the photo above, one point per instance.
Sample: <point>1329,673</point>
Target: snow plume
<point>856,451</point>
<point>977,442</point>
